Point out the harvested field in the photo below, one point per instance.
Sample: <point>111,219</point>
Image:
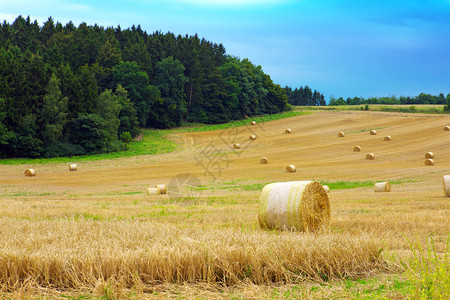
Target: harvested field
<point>96,231</point>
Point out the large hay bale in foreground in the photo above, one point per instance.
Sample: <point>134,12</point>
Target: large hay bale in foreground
<point>447,128</point>
<point>290,169</point>
<point>153,191</point>
<point>162,189</point>
<point>253,123</point>
<point>373,132</point>
<point>288,130</point>
<point>264,161</point>
<point>341,134</point>
<point>357,149</point>
<point>295,205</point>
<point>387,138</point>
<point>72,167</point>
<point>370,156</point>
<point>447,185</point>
<point>382,187</point>
<point>429,155</point>
<point>252,137</point>
<point>429,162</point>
<point>30,172</point>
<point>237,146</point>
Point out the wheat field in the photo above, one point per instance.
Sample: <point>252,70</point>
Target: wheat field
<point>96,233</point>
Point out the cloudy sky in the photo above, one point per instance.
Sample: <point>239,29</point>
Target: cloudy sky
<point>342,48</point>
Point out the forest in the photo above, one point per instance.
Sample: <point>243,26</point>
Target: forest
<point>422,98</point>
<point>67,90</point>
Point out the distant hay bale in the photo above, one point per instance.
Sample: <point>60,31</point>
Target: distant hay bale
<point>429,162</point>
<point>382,187</point>
<point>373,132</point>
<point>162,189</point>
<point>153,191</point>
<point>341,134</point>
<point>447,185</point>
<point>370,156</point>
<point>30,172</point>
<point>295,205</point>
<point>264,161</point>
<point>388,138</point>
<point>252,137</point>
<point>290,169</point>
<point>429,155</point>
<point>253,123</point>
<point>72,167</point>
<point>237,146</point>
<point>288,130</point>
<point>326,188</point>
<point>447,128</point>
<point>357,149</point>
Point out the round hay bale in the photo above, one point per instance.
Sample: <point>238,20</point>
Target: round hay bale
<point>429,162</point>
<point>341,134</point>
<point>153,191</point>
<point>290,169</point>
<point>370,156</point>
<point>357,149</point>
<point>72,167</point>
<point>326,188</point>
<point>30,172</point>
<point>264,161</point>
<point>429,155</point>
<point>447,185</point>
<point>295,205</point>
<point>447,128</point>
<point>162,189</point>
<point>387,138</point>
<point>237,146</point>
<point>252,137</point>
<point>373,132</point>
<point>253,123</point>
<point>382,187</point>
<point>288,130</point>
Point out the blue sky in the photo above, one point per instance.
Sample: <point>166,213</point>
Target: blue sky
<point>341,48</point>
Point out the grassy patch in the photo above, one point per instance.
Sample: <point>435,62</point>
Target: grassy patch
<point>153,141</point>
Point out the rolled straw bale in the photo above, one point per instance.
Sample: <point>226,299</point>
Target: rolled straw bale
<point>447,128</point>
<point>326,188</point>
<point>373,132</point>
<point>388,138</point>
<point>370,156</point>
<point>237,146</point>
<point>162,189</point>
<point>429,155</point>
<point>288,130</point>
<point>290,169</point>
<point>264,161</point>
<point>252,137</point>
<point>153,191</point>
<point>447,185</point>
<point>341,134</point>
<point>357,149</point>
<point>30,172</point>
<point>72,167</point>
<point>429,162</point>
<point>382,187</point>
<point>253,123</point>
<point>295,205</point>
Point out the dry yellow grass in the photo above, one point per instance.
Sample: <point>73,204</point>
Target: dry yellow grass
<point>90,230</point>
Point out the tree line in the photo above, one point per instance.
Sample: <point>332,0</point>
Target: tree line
<point>304,96</point>
<point>422,98</point>
<point>67,90</point>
